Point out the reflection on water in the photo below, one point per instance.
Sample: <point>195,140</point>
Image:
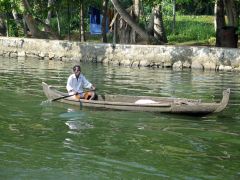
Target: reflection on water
<point>75,121</point>
<point>47,140</point>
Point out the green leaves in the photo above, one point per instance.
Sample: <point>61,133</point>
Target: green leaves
<point>5,6</point>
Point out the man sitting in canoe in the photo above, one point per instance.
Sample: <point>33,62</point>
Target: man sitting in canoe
<point>77,82</point>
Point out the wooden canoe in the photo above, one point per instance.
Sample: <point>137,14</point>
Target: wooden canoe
<point>143,103</point>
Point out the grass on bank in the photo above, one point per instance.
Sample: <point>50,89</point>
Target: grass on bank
<point>195,30</point>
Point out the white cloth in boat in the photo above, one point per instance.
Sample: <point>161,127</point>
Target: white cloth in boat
<point>77,84</point>
<point>145,101</point>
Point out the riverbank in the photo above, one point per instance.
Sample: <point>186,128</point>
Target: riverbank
<point>160,56</point>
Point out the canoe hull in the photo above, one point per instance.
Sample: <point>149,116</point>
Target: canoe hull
<point>128,103</point>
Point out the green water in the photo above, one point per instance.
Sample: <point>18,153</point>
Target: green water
<point>42,140</point>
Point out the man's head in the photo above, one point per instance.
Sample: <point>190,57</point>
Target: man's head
<point>77,70</point>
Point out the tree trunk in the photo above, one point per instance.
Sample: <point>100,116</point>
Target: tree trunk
<point>26,5</point>
<point>25,28</point>
<point>58,23</point>
<point>231,11</point>
<point>69,19</point>
<point>134,25</point>
<point>219,14</point>
<point>136,14</point>
<point>219,20</point>
<point>51,34</point>
<point>174,16</point>
<point>17,21</point>
<point>3,28</point>
<point>104,20</point>
<point>150,27</point>
<point>137,9</point>
<point>81,26</point>
<point>226,35</point>
<point>33,24</point>
<point>49,14</point>
<point>159,31</point>
<point>115,27</point>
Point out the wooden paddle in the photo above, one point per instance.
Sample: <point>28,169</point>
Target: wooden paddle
<point>63,97</point>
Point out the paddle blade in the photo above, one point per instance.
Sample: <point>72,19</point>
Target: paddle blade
<point>62,97</point>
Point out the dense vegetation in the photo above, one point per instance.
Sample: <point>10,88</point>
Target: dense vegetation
<point>178,21</point>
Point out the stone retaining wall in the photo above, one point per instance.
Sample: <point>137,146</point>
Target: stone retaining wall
<point>176,57</point>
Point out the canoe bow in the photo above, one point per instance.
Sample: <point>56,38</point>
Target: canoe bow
<point>224,101</point>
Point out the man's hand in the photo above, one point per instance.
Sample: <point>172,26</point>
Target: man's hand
<point>73,92</point>
<point>93,88</point>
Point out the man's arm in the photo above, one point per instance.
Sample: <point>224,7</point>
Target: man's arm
<point>69,82</point>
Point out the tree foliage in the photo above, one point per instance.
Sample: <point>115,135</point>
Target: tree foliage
<point>65,13</point>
